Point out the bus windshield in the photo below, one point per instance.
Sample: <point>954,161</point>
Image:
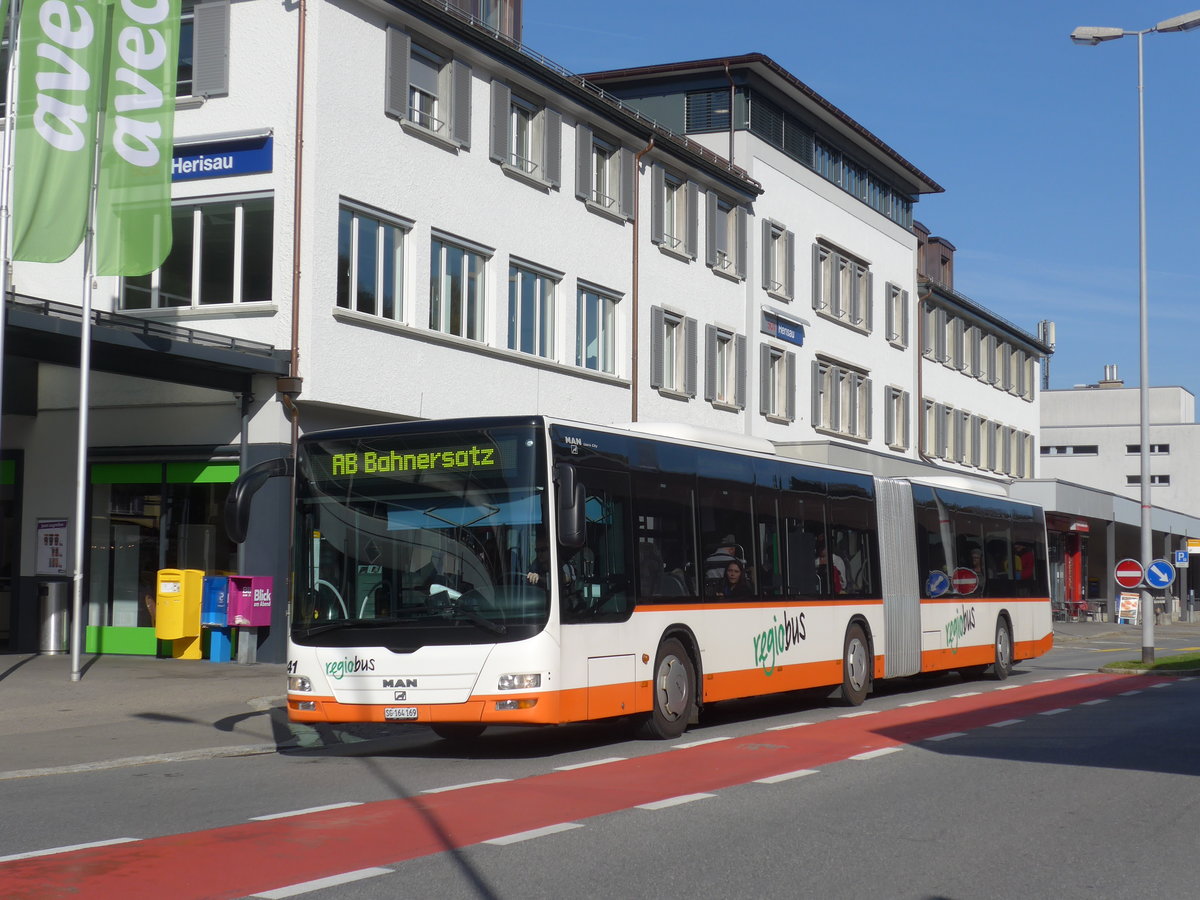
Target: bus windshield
<point>420,537</point>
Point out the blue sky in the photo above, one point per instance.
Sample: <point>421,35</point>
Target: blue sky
<point>1033,138</point>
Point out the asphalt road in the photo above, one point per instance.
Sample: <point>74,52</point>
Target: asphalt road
<point>1040,786</point>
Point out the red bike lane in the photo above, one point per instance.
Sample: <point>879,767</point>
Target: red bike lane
<point>240,860</point>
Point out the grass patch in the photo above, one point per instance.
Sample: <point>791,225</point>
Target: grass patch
<point>1182,661</point>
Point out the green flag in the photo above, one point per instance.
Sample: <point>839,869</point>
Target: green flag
<point>133,198</point>
<point>58,91</point>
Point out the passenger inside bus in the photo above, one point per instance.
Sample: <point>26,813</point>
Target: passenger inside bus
<point>653,578</point>
<point>833,577</point>
<point>735,582</point>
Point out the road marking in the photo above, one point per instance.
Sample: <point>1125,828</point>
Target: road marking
<point>1096,702</point>
<point>1009,687</point>
<point>856,714</point>
<point>674,801</point>
<point>1006,723</point>
<point>594,762</point>
<point>916,703</point>
<point>123,762</point>
<point>1053,712</point>
<point>785,776</point>
<point>788,725</point>
<point>712,740</point>
<point>947,736</point>
<point>317,884</point>
<point>304,812</point>
<point>875,754</point>
<point>51,851</point>
<point>1188,678</point>
<point>533,833</point>
<point>460,787</point>
<point>1161,684</point>
<point>1128,693</point>
<point>967,694</point>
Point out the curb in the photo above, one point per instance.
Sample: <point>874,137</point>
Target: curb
<point>181,756</point>
<point>1169,673</point>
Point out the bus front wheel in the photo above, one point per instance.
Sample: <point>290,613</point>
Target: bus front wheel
<point>856,666</point>
<point>674,688</point>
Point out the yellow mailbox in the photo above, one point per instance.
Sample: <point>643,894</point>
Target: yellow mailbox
<point>177,610</point>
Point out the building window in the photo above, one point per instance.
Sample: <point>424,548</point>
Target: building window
<point>673,352</point>
<point>725,370</point>
<point>530,311</point>
<point>842,288</point>
<point>427,89</point>
<point>726,247</point>
<point>674,212</point>
<point>896,418</point>
<point>221,252</point>
<point>596,331</point>
<point>370,276</point>
<point>1155,480</point>
<point>456,289</point>
<point>1073,449</point>
<point>603,173</point>
<point>526,137</point>
<point>707,111</point>
<point>777,386</point>
<point>897,315</point>
<point>841,400</point>
<point>779,260</point>
<point>1136,449</point>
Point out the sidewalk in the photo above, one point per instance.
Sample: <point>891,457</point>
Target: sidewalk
<point>128,707</point>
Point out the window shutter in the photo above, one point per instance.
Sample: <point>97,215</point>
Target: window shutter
<point>869,301</point>
<point>395,93</point>
<point>210,48</point>
<point>552,146</point>
<point>627,181</point>
<point>816,276</point>
<point>691,362</point>
<point>743,240</point>
<point>658,192</point>
<point>766,254</point>
<point>743,368</point>
<point>905,418</point>
<point>868,410</point>
<point>460,110</point>
<point>710,363</point>
<point>764,380</point>
<point>789,376</point>
<point>903,329</point>
<point>501,106</point>
<point>889,415</point>
<point>657,325</point>
<point>816,394</point>
<point>693,219</point>
<point>789,265</point>
<point>710,230</point>
<point>583,161</point>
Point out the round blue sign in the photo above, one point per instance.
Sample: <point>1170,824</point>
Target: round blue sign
<point>937,584</point>
<point>1160,574</point>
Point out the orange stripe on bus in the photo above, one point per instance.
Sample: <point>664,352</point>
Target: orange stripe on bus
<point>757,604</point>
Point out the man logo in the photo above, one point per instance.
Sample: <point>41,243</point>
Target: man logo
<point>401,695</point>
<point>399,682</point>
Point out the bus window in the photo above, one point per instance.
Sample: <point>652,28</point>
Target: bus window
<point>596,579</point>
<point>727,532</point>
<point>852,544</point>
<point>663,510</point>
<point>802,518</point>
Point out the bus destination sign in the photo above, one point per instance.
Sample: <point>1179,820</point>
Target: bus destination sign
<point>375,462</point>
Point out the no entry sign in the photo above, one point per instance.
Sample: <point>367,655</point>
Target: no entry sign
<point>1129,573</point>
<point>965,581</point>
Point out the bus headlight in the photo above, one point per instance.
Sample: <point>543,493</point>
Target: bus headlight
<point>528,703</point>
<point>523,682</point>
<point>299,684</point>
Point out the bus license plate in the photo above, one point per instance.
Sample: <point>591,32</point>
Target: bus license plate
<point>399,712</point>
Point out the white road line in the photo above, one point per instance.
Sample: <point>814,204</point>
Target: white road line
<point>1042,681</point>
<point>52,850</point>
<point>915,703</point>
<point>856,714</point>
<point>874,754</point>
<point>1188,678</point>
<point>1078,674</point>
<point>1095,702</point>
<point>1128,693</point>
<point>1005,723</point>
<point>304,887</point>
<point>698,743</point>
<point>947,736</point>
<point>787,726</point>
<point>967,694</point>
<point>1009,687</point>
<point>304,812</point>
<point>674,801</point>
<point>594,762</point>
<point>785,776</point>
<point>1053,712</point>
<point>1161,684</point>
<point>533,833</point>
<point>469,784</point>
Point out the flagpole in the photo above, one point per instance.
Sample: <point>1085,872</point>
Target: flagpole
<point>5,191</point>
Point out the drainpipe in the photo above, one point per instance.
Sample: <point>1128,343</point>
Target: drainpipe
<point>637,163</point>
<point>922,299</point>
<point>729,76</point>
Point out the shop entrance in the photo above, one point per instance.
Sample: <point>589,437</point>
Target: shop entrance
<point>10,546</point>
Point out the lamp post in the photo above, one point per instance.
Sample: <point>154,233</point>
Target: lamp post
<point>1090,36</point>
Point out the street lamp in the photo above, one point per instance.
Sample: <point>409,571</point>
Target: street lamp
<point>1090,36</point>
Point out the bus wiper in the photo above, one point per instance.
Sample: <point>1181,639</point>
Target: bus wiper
<point>479,621</point>
<point>357,623</point>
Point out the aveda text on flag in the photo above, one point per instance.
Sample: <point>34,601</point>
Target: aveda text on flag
<point>60,123</point>
<point>141,47</point>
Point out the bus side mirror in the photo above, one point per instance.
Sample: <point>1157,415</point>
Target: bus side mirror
<point>237,504</point>
<point>572,522</point>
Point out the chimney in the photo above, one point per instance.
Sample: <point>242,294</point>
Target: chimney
<point>1111,379</point>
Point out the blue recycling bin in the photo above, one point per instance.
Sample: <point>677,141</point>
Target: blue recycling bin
<point>214,617</point>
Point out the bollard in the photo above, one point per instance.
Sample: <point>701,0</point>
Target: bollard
<point>55,617</point>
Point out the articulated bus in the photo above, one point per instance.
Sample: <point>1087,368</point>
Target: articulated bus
<point>502,571</point>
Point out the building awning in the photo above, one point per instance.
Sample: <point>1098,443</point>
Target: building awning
<point>46,331</point>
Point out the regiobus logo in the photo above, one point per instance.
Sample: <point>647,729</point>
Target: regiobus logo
<point>352,665</point>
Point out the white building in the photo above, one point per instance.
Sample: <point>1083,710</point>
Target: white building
<point>464,228</point>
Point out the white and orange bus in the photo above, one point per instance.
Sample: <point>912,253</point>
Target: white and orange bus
<point>472,572</point>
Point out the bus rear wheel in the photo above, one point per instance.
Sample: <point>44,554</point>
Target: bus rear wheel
<point>1003,666</point>
<point>856,666</point>
<point>674,689</point>
<point>457,731</point>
